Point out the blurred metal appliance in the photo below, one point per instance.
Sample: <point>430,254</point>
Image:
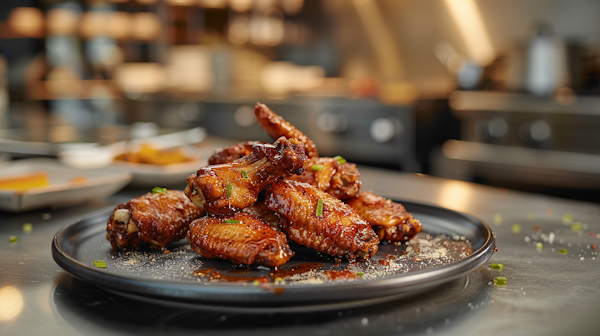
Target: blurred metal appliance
<point>362,131</point>
<point>523,141</point>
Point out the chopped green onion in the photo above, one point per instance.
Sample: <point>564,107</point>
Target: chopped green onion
<point>157,190</point>
<point>576,227</point>
<point>500,281</point>
<point>319,207</point>
<point>497,266</point>
<point>244,174</point>
<point>497,219</point>
<point>340,159</point>
<point>317,167</point>
<point>530,216</point>
<point>232,221</point>
<point>539,246</point>
<point>100,263</point>
<point>12,239</point>
<point>567,219</point>
<point>255,283</point>
<point>229,191</point>
<point>27,227</point>
<point>563,251</point>
<point>360,274</point>
<point>515,228</point>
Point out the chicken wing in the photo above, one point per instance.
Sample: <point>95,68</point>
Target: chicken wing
<point>260,210</point>
<point>338,180</point>
<point>154,218</point>
<point>228,188</point>
<point>232,153</point>
<point>242,238</point>
<point>313,218</point>
<point>389,219</point>
<point>277,127</point>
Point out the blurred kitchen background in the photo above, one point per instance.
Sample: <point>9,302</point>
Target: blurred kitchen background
<point>505,93</point>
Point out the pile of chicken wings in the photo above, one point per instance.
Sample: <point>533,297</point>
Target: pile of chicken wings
<point>313,201</point>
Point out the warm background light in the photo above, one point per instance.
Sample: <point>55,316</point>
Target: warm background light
<point>240,6</point>
<point>239,30</point>
<point>292,7</point>
<point>26,21</point>
<point>145,26</point>
<point>118,25</point>
<point>468,19</point>
<point>140,77</point>
<point>61,21</point>
<point>11,303</point>
<point>181,2</point>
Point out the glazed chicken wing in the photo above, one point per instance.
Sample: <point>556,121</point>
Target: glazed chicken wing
<point>260,210</point>
<point>277,127</point>
<point>228,188</point>
<point>157,219</point>
<point>232,153</point>
<point>242,238</point>
<point>313,218</point>
<point>389,219</point>
<point>338,180</point>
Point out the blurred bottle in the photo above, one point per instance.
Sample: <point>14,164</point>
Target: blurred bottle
<point>546,63</point>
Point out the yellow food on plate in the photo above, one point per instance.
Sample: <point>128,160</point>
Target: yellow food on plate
<point>150,155</point>
<point>24,181</point>
<point>79,180</point>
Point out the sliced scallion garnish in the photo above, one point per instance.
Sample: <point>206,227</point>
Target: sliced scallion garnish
<point>316,167</point>
<point>563,251</point>
<point>500,281</point>
<point>157,190</point>
<point>319,207</point>
<point>515,228</point>
<point>27,227</point>
<point>229,191</point>
<point>340,159</point>
<point>12,239</point>
<point>244,174</point>
<point>100,263</point>
<point>576,227</point>
<point>497,266</point>
<point>360,274</point>
<point>232,221</point>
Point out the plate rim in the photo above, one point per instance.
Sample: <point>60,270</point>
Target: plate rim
<point>157,288</point>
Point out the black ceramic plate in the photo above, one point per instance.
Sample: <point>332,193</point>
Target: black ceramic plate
<point>181,277</point>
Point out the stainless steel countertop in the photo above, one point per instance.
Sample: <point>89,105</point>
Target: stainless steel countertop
<point>547,293</point>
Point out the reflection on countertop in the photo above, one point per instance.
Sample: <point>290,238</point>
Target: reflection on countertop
<point>549,291</point>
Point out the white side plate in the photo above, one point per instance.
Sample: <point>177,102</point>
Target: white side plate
<point>99,183</point>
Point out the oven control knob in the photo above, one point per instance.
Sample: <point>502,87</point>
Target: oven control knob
<point>384,129</point>
<point>540,131</point>
<point>497,128</point>
<point>330,122</point>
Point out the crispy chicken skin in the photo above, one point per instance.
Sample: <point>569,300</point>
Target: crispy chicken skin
<point>389,219</point>
<point>157,219</point>
<point>338,180</point>
<point>230,187</point>
<point>232,153</point>
<point>260,210</point>
<point>242,238</point>
<point>337,231</point>
<point>277,127</point>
